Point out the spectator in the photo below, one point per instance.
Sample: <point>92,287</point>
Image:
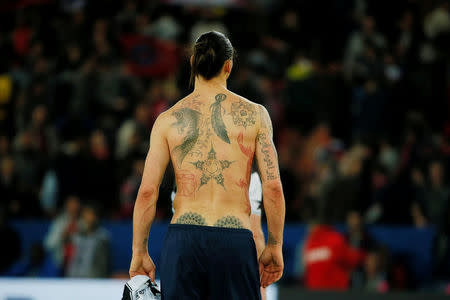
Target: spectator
<point>433,198</point>
<point>359,40</point>
<point>433,206</point>
<point>100,182</point>
<point>42,135</point>
<point>343,194</point>
<point>358,237</point>
<point>329,259</point>
<point>376,280</point>
<point>436,25</point>
<point>134,133</point>
<point>91,247</point>
<point>388,157</point>
<point>58,241</point>
<point>29,168</point>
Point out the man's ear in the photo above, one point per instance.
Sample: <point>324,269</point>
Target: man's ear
<point>192,59</point>
<point>228,66</point>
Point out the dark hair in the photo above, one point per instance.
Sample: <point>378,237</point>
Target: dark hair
<point>211,50</point>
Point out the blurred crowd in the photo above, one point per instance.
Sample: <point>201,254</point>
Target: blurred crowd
<point>358,92</point>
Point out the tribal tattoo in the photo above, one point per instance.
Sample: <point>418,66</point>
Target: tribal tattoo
<point>266,148</point>
<point>216,118</point>
<point>212,168</point>
<point>191,218</point>
<point>229,222</point>
<point>243,113</point>
<point>187,119</point>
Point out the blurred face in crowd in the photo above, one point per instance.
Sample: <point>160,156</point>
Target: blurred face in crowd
<point>350,165</point>
<point>368,25</point>
<point>99,146</point>
<point>73,54</point>
<point>407,21</point>
<point>73,206</point>
<point>89,218</point>
<point>290,19</point>
<point>4,145</point>
<point>379,179</point>
<point>7,167</point>
<point>372,264</point>
<point>39,115</point>
<point>354,221</point>
<point>142,114</point>
<point>41,66</point>
<point>436,173</point>
<point>155,92</point>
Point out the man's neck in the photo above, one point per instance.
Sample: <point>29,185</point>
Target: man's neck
<point>215,83</point>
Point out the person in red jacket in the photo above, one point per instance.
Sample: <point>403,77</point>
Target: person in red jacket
<point>328,259</point>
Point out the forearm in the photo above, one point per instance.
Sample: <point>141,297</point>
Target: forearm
<point>275,210</point>
<point>143,216</point>
<point>258,235</point>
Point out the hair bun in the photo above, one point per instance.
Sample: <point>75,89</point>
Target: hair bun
<point>211,50</point>
<point>211,54</point>
<point>202,47</point>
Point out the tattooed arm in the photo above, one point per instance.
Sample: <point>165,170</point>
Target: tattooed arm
<point>145,206</point>
<point>271,260</point>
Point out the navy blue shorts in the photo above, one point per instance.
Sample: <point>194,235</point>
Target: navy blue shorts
<point>204,262</point>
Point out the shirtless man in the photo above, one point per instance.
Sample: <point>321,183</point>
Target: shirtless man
<point>211,137</point>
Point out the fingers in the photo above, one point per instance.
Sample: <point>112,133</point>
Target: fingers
<point>151,274</point>
<point>261,269</point>
<point>267,278</point>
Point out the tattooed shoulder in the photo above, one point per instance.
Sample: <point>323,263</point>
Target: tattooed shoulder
<point>229,222</point>
<point>191,218</point>
<point>265,119</point>
<point>243,113</point>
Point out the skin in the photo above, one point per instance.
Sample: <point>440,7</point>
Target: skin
<point>258,236</point>
<point>207,161</point>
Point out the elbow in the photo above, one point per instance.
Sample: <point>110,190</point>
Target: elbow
<point>273,190</point>
<point>147,192</point>
<point>273,196</point>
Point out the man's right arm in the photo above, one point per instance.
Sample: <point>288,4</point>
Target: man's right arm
<point>274,205</point>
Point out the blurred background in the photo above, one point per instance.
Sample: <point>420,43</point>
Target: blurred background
<point>358,92</point>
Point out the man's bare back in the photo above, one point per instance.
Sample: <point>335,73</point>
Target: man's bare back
<point>211,137</point>
<point>212,140</point>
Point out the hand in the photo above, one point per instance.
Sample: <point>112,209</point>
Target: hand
<point>270,265</point>
<point>142,264</point>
